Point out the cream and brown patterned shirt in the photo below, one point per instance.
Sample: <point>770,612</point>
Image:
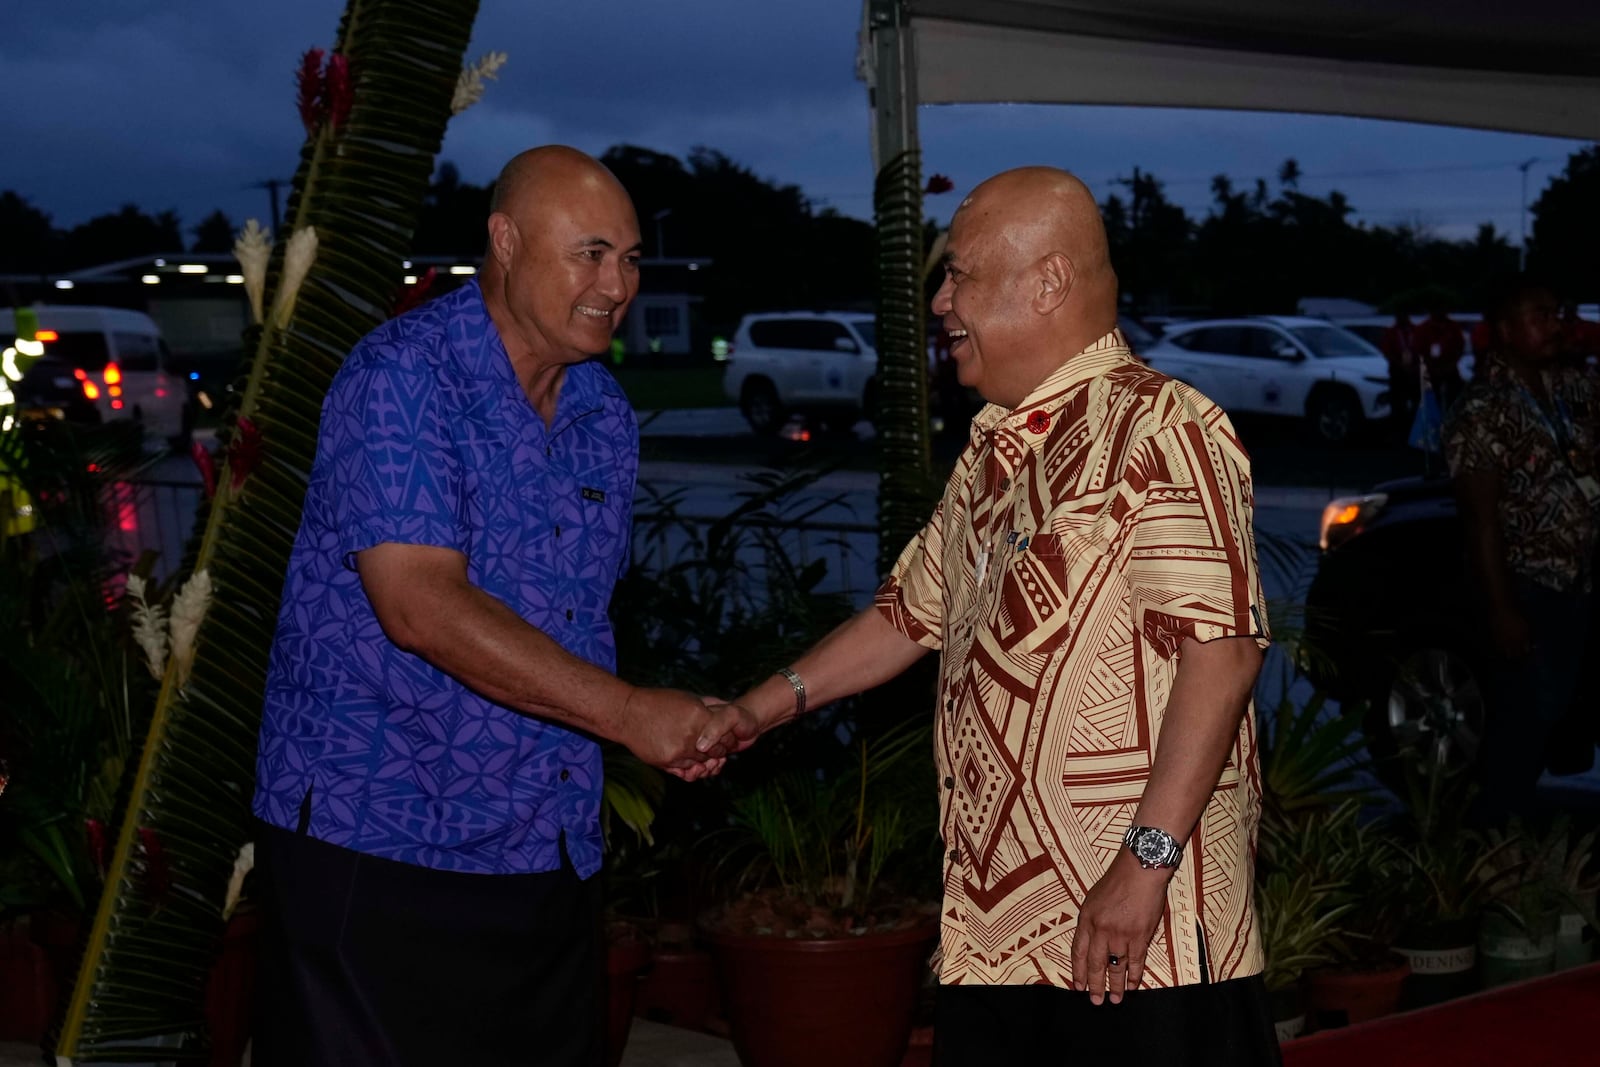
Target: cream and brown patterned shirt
<point>1081,539</point>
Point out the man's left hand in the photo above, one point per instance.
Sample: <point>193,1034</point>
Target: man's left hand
<point>1119,917</point>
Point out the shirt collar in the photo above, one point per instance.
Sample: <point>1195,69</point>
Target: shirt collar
<point>482,355</point>
<point>1031,419</point>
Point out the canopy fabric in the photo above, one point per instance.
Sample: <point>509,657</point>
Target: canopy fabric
<point>1531,66</point>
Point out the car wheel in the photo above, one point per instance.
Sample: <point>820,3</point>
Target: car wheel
<point>1335,415</point>
<point>759,402</point>
<point>1429,716</point>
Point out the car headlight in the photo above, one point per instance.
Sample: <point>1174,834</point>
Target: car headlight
<point>1347,516</point>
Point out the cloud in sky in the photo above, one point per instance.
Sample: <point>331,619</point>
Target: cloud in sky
<point>186,105</point>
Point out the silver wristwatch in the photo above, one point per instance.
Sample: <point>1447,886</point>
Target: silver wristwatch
<point>1152,847</point>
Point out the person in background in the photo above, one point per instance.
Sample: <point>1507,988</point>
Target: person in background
<point>1440,344</point>
<point>1521,445</point>
<point>1405,385</point>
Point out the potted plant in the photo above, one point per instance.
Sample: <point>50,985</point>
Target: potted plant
<point>1452,875</point>
<point>1363,978</point>
<point>76,697</point>
<point>821,949</point>
<point>1299,920</point>
<point>1538,883</point>
<point>1580,883</point>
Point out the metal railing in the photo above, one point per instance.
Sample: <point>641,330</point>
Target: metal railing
<point>157,516</point>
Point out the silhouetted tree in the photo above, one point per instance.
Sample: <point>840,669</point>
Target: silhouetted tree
<point>124,234</point>
<point>30,243</point>
<point>1566,228</point>
<point>215,233</point>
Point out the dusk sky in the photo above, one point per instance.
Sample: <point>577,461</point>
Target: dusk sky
<point>185,104</point>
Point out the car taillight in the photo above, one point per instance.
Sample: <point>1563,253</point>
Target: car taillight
<point>90,390</point>
<point>112,374</point>
<point>1345,517</point>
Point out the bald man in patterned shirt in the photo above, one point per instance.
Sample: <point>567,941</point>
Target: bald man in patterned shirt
<point>1090,582</point>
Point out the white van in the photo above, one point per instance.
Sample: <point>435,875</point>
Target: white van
<point>119,360</point>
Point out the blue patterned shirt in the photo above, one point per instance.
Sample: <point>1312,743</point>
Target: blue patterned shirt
<point>427,438</point>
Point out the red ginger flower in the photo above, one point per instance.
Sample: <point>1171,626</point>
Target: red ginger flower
<point>338,93</point>
<point>310,97</point>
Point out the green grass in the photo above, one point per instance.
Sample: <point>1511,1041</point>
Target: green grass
<point>661,389</point>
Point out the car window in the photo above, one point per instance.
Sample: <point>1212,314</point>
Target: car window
<point>810,335</point>
<point>868,330</point>
<point>1330,341</point>
<point>1221,340</point>
<point>1259,342</point>
<point>137,351</point>
<point>84,349</point>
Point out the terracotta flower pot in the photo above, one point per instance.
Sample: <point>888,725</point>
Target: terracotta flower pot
<point>625,958</point>
<point>230,989</point>
<point>25,985</point>
<point>1349,993</point>
<point>679,989</point>
<point>839,1002</point>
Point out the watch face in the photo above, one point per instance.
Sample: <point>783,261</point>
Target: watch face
<point>1150,847</point>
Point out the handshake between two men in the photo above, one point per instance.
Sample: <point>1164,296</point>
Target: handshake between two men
<point>687,736</point>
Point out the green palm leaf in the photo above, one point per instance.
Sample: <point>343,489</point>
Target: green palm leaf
<point>906,493</point>
<point>156,928</point>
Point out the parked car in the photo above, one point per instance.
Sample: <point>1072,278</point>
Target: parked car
<point>1297,367</point>
<point>119,362</point>
<point>1390,621</point>
<point>818,364</point>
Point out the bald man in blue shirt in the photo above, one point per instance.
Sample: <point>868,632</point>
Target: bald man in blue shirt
<point>429,777</point>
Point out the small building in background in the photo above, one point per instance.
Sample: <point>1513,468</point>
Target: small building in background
<point>198,301</point>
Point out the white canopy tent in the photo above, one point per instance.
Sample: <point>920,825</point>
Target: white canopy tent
<point>1532,66</point>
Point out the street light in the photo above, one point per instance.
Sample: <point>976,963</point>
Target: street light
<point>661,248</point>
<point>1522,253</point>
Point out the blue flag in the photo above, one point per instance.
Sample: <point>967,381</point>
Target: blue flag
<point>1428,427</point>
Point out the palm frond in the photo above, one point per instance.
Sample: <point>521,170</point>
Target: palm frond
<point>906,493</point>
<point>152,938</point>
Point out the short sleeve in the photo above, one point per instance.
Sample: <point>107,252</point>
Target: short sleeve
<point>912,598</point>
<point>1192,569</point>
<point>1468,446</point>
<point>393,471</point>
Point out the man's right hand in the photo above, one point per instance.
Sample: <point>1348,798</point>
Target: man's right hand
<point>666,728</point>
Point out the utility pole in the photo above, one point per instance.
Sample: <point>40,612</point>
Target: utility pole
<point>1522,253</point>
<point>271,185</point>
<point>661,248</point>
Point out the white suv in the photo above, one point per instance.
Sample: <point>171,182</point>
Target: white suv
<point>1299,367</point>
<point>817,363</point>
<point>119,361</point>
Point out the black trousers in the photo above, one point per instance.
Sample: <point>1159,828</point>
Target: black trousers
<point>1226,1024</point>
<point>368,961</point>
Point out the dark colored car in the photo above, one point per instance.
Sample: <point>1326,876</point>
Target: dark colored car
<point>1391,621</point>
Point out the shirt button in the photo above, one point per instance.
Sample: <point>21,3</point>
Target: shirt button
<point>950,705</point>
<point>955,855</point>
<point>558,531</point>
<point>569,614</point>
<point>1005,483</point>
<point>949,782</point>
<point>565,774</point>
